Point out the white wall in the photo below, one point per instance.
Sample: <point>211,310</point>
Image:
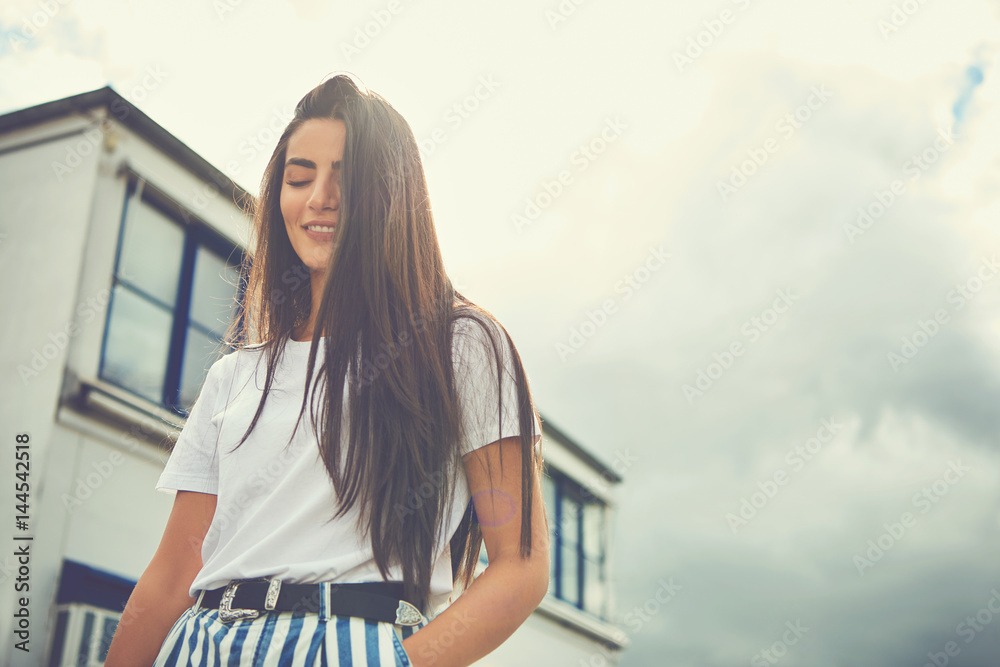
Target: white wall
<point>56,259</point>
<point>44,217</point>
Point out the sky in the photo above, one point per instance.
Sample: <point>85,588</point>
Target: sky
<point>750,247</point>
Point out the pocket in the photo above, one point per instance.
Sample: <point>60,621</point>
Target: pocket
<point>168,642</point>
<point>397,643</point>
<point>180,621</point>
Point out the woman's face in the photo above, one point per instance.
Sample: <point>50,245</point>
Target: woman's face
<point>310,189</point>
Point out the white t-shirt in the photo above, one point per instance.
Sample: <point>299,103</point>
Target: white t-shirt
<point>272,503</point>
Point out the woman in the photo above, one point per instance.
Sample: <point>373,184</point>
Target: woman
<point>339,536</point>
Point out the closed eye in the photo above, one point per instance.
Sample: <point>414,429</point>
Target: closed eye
<point>296,184</point>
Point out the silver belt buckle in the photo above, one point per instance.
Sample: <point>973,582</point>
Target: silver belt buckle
<point>226,613</point>
<point>407,614</point>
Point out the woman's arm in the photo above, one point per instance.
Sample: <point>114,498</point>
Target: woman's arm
<point>500,599</point>
<point>161,594</point>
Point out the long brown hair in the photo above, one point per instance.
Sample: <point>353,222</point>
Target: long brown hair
<point>386,323</point>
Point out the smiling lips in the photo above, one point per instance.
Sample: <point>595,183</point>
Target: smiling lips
<point>320,230</point>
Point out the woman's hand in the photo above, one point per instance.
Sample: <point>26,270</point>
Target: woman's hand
<point>501,598</point>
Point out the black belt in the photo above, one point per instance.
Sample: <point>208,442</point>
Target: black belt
<point>247,598</point>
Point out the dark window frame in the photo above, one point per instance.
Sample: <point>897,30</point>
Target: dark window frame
<point>567,488</point>
<point>197,234</point>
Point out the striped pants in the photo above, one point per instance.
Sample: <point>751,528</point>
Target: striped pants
<point>283,639</point>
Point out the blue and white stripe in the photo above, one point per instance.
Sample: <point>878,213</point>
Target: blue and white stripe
<point>283,639</point>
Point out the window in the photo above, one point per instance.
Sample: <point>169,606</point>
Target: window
<point>174,291</point>
<point>577,543</point>
<point>577,520</point>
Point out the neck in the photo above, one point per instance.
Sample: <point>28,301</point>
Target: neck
<point>305,332</point>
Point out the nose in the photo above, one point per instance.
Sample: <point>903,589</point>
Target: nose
<point>325,194</point>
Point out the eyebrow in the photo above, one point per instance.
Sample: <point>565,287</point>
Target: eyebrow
<point>308,164</point>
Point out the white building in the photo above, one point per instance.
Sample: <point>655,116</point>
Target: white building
<point>114,241</point>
